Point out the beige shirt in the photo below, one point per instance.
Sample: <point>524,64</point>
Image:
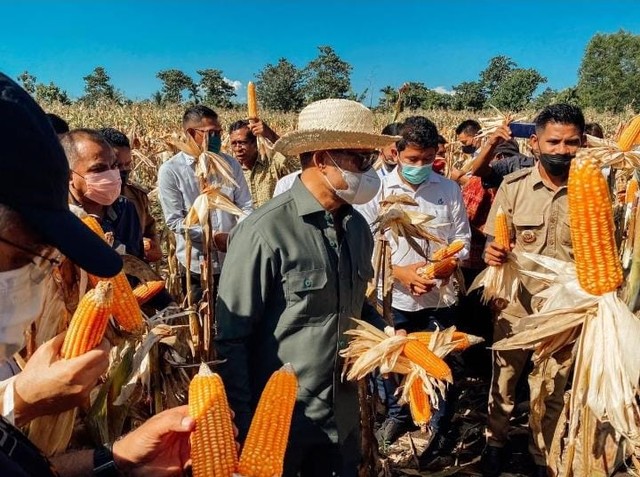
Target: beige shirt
<point>538,220</point>
<point>264,175</point>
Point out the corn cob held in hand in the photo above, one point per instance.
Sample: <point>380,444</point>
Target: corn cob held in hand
<point>146,291</point>
<point>592,229</point>
<point>213,448</point>
<point>266,443</point>
<point>89,322</point>
<point>125,306</point>
<point>420,354</point>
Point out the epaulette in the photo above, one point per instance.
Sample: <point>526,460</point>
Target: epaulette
<point>519,174</point>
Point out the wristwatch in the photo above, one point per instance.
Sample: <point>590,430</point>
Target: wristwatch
<point>103,463</point>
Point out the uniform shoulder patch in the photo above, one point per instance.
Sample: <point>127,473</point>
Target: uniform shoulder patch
<point>517,175</point>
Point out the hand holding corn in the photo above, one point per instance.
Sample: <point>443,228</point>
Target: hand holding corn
<point>50,385</point>
<point>413,281</point>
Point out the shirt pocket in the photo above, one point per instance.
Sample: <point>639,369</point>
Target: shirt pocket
<point>308,303</point>
<point>529,231</point>
<point>565,233</point>
<point>361,279</point>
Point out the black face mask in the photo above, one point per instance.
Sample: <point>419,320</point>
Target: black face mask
<point>556,164</point>
<point>468,149</point>
<point>124,176</point>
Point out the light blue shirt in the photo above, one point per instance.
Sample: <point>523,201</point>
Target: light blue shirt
<point>178,190</point>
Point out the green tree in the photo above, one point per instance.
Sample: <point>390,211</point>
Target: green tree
<point>469,95</point>
<point>388,98</point>
<point>495,73</point>
<point>547,97</point>
<point>609,74</point>
<point>279,86</point>
<point>174,82</point>
<point>515,90</point>
<point>51,93</point>
<point>98,87</point>
<point>327,76</point>
<point>217,91</point>
<point>28,82</point>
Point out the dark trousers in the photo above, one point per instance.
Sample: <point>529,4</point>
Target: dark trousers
<point>318,460</point>
<point>424,320</point>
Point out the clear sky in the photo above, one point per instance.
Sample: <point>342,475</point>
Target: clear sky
<point>387,42</point>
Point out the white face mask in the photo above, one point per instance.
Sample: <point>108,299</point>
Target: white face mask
<point>361,186</point>
<point>21,303</point>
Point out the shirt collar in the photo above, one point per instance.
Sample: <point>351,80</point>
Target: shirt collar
<point>537,180</point>
<point>306,203</point>
<point>394,180</point>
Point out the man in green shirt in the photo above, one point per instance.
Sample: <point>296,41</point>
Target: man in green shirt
<point>297,272</point>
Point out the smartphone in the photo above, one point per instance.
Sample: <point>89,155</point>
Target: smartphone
<point>524,130</point>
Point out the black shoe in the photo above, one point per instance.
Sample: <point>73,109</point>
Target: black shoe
<point>541,471</point>
<point>492,461</point>
<point>391,430</point>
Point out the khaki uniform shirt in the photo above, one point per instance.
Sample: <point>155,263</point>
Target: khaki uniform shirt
<point>138,196</point>
<point>264,175</point>
<point>538,220</point>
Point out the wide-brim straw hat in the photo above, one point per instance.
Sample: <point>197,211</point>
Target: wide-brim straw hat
<point>333,124</point>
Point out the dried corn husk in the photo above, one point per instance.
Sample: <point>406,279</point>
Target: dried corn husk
<point>208,164</point>
<point>372,349</point>
<point>491,124</point>
<point>499,283</point>
<point>608,154</point>
<point>210,199</point>
<point>607,367</point>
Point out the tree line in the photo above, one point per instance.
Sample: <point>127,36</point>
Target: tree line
<point>608,79</point>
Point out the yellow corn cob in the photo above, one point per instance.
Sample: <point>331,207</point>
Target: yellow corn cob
<point>125,305</point>
<point>592,230</point>
<point>252,102</point>
<point>441,269</point>
<point>419,404</point>
<point>419,354</point>
<point>89,321</point>
<point>213,448</point>
<point>502,235</point>
<point>266,443</point>
<point>448,251</point>
<point>461,339</point>
<point>632,190</point>
<point>146,291</point>
<point>630,135</point>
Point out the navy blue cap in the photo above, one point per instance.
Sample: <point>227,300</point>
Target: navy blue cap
<point>34,181</point>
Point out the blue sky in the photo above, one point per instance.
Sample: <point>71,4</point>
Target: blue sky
<point>387,42</point>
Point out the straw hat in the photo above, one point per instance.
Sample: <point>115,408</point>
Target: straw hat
<point>333,124</point>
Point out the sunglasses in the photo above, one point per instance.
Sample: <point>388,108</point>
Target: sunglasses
<point>44,262</point>
<point>360,160</point>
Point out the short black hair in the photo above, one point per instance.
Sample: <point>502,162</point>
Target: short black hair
<point>197,113</point>
<point>468,126</point>
<point>70,141</point>
<point>594,129</point>
<point>115,138</point>
<point>392,129</point>
<point>561,113</point>
<point>241,124</point>
<point>442,140</point>
<point>305,159</point>
<point>418,131</point>
<point>60,126</point>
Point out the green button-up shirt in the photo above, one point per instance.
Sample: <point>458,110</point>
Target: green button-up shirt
<point>291,281</point>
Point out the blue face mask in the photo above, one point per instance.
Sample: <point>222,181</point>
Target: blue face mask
<point>416,175</point>
<point>215,143</point>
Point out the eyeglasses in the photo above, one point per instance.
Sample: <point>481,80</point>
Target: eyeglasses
<point>210,132</point>
<point>44,262</point>
<point>359,160</point>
